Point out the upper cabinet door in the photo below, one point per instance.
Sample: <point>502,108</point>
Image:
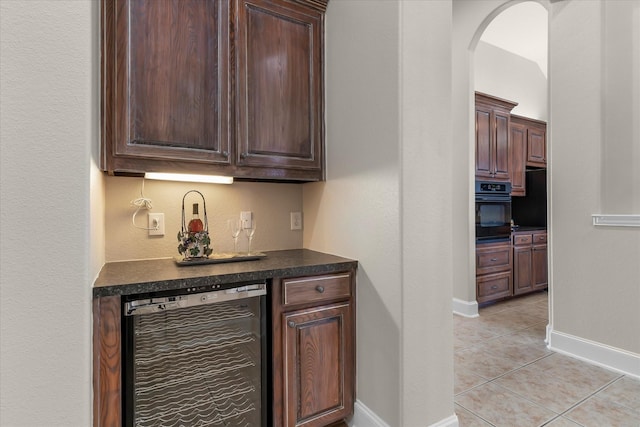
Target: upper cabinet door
<point>279,90</point>
<point>492,137</point>
<point>165,82</point>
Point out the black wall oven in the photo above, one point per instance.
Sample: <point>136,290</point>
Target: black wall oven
<point>493,210</point>
<point>197,357</point>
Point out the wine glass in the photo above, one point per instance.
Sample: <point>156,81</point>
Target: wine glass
<point>235,227</point>
<point>250,231</point>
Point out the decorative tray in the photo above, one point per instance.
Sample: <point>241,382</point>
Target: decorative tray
<point>218,258</point>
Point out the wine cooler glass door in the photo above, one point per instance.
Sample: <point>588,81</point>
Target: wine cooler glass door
<point>200,364</point>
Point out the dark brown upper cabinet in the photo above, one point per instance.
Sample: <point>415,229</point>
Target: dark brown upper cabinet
<point>492,137</point>
<point>227,87</point>
<point>279,86</point>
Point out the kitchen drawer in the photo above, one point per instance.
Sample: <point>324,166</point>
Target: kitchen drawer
<point>301,290</point>
<point>522,239</point>
<point>492,258</point>
<point>493,286</point>
<point>540,238</point>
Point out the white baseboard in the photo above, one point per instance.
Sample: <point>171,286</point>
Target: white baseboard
<point>365,417</point>
<point>600,354</point>
<point>451,421</point>
<point>465,308</point>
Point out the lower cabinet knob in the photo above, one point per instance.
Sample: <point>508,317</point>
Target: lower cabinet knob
<point>291,324</point>
<point>320,289</point>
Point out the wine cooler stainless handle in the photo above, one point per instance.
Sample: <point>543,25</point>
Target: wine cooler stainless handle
<point>160,304</point>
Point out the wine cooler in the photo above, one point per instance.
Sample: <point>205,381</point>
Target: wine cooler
<point>196,359</point>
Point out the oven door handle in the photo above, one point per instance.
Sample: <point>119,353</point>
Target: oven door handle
<point>158,305</point>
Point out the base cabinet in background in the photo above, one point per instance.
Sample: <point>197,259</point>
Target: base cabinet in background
<point>529,262</point>
<point>510,268</point>
<point>493,271</point>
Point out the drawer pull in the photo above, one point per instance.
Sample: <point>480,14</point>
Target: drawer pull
<point>494,287</point>
<point>494,259</point>
<point>291,324</point>
<point>320,289</point>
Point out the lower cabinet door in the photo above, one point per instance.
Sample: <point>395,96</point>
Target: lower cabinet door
<point>319,356</point>
<point>522,273</point>
<point>539,267</point>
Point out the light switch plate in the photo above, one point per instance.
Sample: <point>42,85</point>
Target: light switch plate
<point>245,218</point>
<point>156,224</point>
<point>296,220</point>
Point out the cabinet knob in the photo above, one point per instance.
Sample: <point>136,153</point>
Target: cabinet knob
<point>243,155</point>
<point>320,289</point>
<point>225,154</point>
<point>291,324</point>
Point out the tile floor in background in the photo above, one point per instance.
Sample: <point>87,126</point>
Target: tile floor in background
<point>506,377</point>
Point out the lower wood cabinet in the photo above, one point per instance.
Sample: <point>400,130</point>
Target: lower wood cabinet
<point>493,271</point>
<point>313,349</point>
<point>529,262</point>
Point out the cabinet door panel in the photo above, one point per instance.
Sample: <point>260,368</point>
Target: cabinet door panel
<point>319,349</point>
<point>171,69</point>
<point>483,143</point>
<point>536,147</point>
<point>539,266</point>
<point>522,270</point>
<point>279,85</point>
<point>502,146</point>
<point>517,151</point>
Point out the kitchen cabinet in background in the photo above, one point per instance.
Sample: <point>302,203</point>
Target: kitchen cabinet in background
<point>517,158</point>
<point>313,349</point>
<point>494,278</point>
<point>529,261</point>
<point>492,115</point>
<point>218,87</point>
<point>536,140</point>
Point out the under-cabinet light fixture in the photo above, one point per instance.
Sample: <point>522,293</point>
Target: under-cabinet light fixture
<point>210,179</point>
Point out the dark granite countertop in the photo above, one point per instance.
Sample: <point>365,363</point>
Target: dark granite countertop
<point>135,277</point>
<point>527,228</point>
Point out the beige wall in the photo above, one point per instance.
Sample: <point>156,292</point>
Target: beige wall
<point>48,99</point>
<point>503,74</point>
<point>595,271</point>
<point>386,201</point>
<point>270,203</point>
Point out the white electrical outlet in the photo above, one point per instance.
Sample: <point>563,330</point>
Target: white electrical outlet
<point>245,219</point>
<point>296,220</point>
<point>156,224</point>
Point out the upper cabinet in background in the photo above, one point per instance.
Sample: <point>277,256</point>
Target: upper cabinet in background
<point>536,132</point>
<point>224,87</point>
<point>527,149</point>
<point>492,137</point>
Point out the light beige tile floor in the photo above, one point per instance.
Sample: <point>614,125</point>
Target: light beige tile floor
<point>506,376</point>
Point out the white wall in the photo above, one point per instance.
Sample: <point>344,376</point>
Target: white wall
<point>595,271</point>
<point>47,128</point>
<point>506,75</point>
<point>386,201</point>
<point>470,18</point>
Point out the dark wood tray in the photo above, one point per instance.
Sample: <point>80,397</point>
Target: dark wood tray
<point>219,258</point>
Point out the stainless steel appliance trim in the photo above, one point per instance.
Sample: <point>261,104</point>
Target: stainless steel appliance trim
<point>160,304</point>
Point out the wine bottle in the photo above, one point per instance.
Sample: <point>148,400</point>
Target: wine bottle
<point>195,225</point>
